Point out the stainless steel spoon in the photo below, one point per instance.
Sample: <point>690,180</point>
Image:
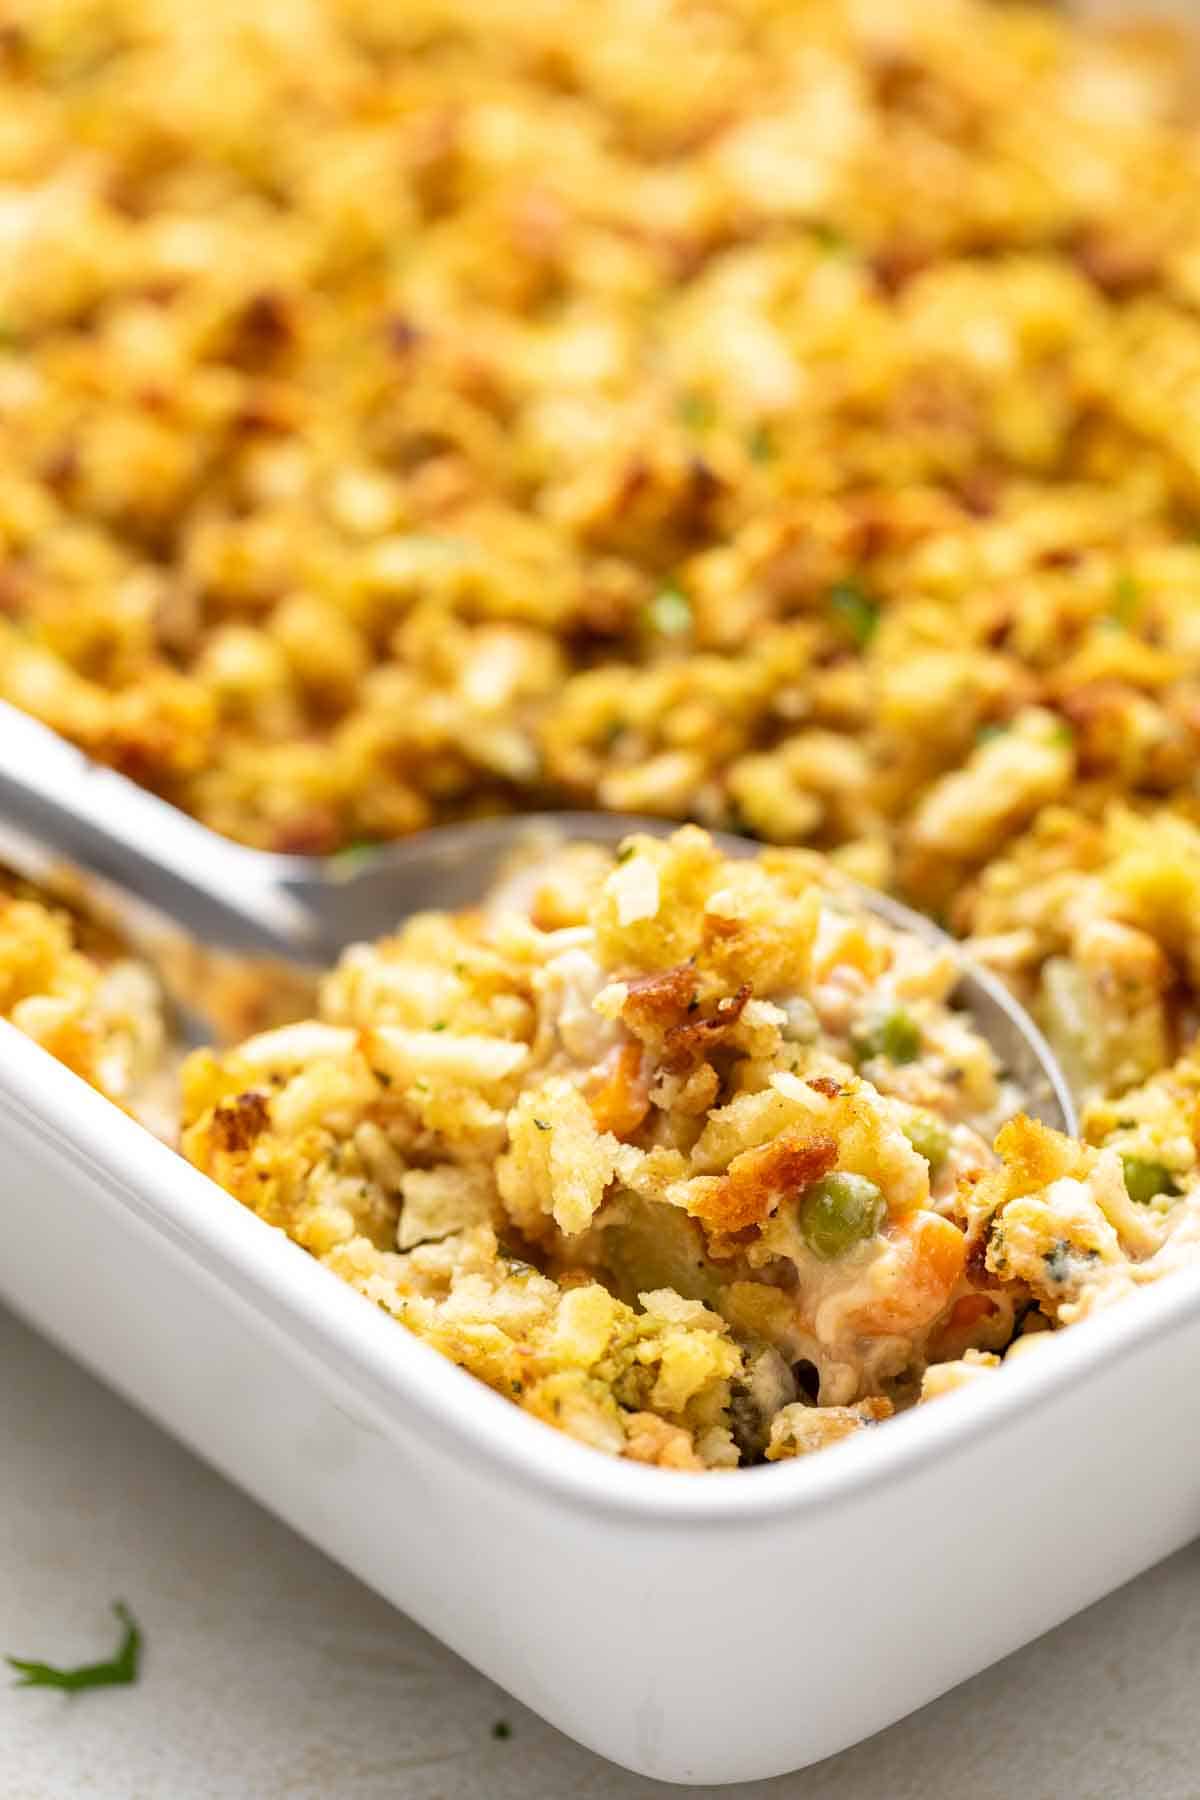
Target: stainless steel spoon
<point>305,909</point>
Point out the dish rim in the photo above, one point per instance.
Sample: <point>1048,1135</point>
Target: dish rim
<point>403,1382</point>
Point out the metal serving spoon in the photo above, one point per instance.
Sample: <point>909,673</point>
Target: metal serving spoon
<point>308,909</point>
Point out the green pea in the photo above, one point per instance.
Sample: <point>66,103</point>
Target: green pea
<point>839,1211</point>
<point>1144,1179</point>
<point>895,1035</point>
<point>929,1137</point>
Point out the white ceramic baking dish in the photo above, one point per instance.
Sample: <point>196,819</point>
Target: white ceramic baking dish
<point>700,1629</point>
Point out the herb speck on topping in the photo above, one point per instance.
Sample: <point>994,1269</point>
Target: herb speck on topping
<point>1127,596</point>
<point>760,445</point>
<point>856,609</point>
<point>696,411</point>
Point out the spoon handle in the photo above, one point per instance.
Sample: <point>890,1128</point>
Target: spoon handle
<point>103,823</point>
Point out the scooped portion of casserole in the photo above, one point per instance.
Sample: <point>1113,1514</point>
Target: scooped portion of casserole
<point>689,1156</point>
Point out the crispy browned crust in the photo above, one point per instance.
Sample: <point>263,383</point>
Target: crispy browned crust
<point>758,1180</point>
<point>687,1044</point>
<point>1034,1156</point>
<point>825,1084</point>
<point>663,1009</point>
<point>660,1001</point>
<point>237,1122</point>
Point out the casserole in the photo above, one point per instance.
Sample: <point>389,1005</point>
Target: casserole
<point>695,1631</point>
<point>422,1486</point>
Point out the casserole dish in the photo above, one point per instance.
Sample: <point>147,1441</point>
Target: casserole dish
<point>695,1631</point>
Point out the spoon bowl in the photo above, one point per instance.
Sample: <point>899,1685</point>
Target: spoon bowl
<point>305,909</point>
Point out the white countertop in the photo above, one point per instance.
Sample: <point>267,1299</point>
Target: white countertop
<point>269,1674</point>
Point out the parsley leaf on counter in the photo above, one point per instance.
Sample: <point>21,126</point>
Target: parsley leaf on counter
<point>119,1671</point>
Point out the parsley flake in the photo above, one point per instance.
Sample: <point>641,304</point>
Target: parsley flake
<point>760,445</point>
<point>696,411</point>
<point>119,1671</point>
<point>856,609</point>
<point>1127,597</point>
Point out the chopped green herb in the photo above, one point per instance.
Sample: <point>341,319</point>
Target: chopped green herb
<point>1127,597</point>
<point>760,445</point>
<point>502,1730</point>
<point>992,729</point>
<point>439,1026</point>
<point>625,852</point>
<point>696,411</point>
<point>1146,1179</point>
<point>670,613</point>
<point>856,609</point>
<point>1058,1261</point>
<point>1062,733</point>
<point>829,237</point>
<point>117,1672</point>
<point>896,1035</point>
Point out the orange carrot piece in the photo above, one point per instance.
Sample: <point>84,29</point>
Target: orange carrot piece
<point>622,1099</point>
<point>931,1257</point>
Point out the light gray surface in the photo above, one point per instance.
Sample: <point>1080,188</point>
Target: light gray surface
<point>271,1675</point>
